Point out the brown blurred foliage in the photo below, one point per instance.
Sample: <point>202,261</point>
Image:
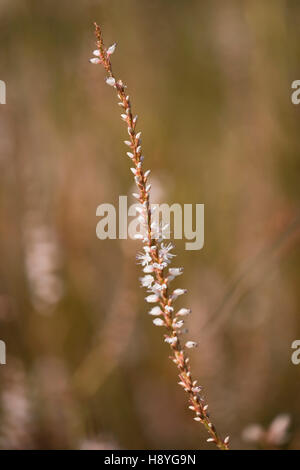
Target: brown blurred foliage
<point>211,82</point>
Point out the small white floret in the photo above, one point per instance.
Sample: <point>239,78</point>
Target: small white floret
<point>111,49</point>
<point>110,81</point>
<point>191,344</point>
<point>151,299</point>
<point>183,312</point>
<point>171,339</point>
<point>155,311</point>
<point>95,61</point>
<point>178,292</point>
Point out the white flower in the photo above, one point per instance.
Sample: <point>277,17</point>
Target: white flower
<point>144,258</point>
<point>96,52</point>
<point>148,269</point>
<point>95,60</point>
<point>169,309</point>
<point>155,311</point>
<point>147,281</point>
<point>171,339</point>
<point>226,440</point>
<point>138,135</point>
<point>178,324</point>
<point>178,292</point>
<point>164,252</point>
<point>157,288</point>
<point>111,81</point>
<point>191,344</point>
<point>158,322</point>
<point>175,271</point>
<point>152,299</point>
<point>158,266</point>
<point>183,312</point>
<point>111,49</point>
<point>127,142</point>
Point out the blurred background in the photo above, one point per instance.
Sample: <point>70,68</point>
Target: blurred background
<point>211,82</point>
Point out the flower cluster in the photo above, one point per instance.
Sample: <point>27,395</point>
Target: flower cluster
<point>156,256</point>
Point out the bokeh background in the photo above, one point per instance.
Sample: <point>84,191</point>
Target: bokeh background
<point>211,82</point>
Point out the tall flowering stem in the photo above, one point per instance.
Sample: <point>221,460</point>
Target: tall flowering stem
<point>156,255</point>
